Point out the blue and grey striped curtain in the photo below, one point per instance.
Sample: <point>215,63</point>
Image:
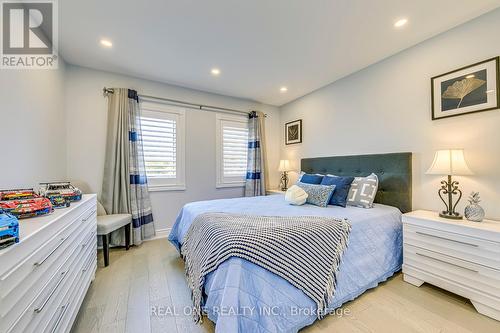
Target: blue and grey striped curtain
<point>125,186</point>
<point>255,183</point>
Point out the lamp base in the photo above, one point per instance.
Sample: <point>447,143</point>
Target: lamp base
<point>450,188</point>
<point>284,181</point>
<point>451,216</point>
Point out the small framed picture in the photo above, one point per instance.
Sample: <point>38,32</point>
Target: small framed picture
<point>474,88</point>
<point>293,132</point>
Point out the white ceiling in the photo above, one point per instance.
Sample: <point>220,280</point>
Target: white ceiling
<point>259,45</point>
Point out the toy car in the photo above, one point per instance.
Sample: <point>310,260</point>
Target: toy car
<point>24,203</point>
<point>16,194</point>
<point>64,189</point>
<point>9,229</point>
<point>59,201</point>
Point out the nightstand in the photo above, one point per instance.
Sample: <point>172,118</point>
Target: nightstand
<point>275,191</point>
<point>460,256</point>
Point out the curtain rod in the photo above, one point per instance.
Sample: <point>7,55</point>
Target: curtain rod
<point>107,91</point>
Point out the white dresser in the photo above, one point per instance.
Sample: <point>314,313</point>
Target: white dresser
<point>460,256</point>
<point>44,278</point>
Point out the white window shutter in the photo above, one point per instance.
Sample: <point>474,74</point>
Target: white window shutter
<point>163,142</point>
<point>235,150</point>
<point>160,142</point>
<point>232,150</point>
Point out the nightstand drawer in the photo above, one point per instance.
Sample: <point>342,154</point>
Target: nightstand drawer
<point>467,273</point>
<point>471,249</point>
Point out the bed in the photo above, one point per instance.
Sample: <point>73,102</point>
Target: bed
<point>243,297</point>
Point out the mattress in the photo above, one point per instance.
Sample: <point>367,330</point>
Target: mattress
<point>243,297</point>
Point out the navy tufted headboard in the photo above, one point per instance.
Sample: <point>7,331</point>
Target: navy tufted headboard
<point>393,170</point>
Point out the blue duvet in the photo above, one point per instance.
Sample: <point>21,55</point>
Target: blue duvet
<point>243,297</point>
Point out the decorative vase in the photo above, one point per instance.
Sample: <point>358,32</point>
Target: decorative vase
<point>474,212</point>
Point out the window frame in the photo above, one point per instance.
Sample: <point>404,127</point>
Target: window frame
<point>221,181</point>
<point>179,182</point>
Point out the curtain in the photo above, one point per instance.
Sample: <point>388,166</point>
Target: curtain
<point>125,187</point>
<point>256,177</point>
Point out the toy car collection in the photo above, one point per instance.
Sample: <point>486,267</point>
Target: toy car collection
<point>59,201</point>
<point>9,229</point>
<point>64,189</point>
<point>24,203</point>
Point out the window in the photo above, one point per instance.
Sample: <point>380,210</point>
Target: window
<point>162,128</point>
<point>232,150</point>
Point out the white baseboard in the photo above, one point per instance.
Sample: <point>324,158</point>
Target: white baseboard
<point>161,233</point>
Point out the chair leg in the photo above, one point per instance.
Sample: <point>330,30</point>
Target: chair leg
<point>127,236</point>
<point>105,249</point>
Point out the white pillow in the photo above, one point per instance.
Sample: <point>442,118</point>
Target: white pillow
<point>296,196</point>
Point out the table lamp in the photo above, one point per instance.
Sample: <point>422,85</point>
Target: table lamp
<point>449,162</point>
<point>284,168</point>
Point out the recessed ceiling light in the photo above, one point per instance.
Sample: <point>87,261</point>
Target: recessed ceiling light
<point>401,22</point>
<point>283,89</point>
<point>215,71</point>
<point>106,43</point>
<point>470,76</point>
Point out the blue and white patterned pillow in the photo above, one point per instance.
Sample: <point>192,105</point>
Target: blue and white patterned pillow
<point>318,195</point>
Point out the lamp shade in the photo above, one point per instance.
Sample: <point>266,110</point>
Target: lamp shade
<point>449,162</point>
<point>284,166</point>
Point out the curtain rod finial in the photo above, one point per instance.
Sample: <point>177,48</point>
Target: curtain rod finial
<point>107,91</point>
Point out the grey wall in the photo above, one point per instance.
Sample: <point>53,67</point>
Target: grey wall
<point>86,134</point>
<point>386,108</point>
<point>32,127</point>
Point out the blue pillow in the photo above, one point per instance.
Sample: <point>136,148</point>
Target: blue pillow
<point>318,195</point>
<point>308,178</point>
<point>342,185</point>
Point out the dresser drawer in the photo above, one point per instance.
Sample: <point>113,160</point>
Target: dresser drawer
<point>59,307</point>
<point>68,309</point>
<point>34,233</point>
<point>42,307</point>
<point>480,251</point>
<point>15,302</point>
<point>472,275</point>
<point>26,309</point>
<point>29,277</point>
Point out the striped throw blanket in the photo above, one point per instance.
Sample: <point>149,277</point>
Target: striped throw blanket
<point>304,250</point>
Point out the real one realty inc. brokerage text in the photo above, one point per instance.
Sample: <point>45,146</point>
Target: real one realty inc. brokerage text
<point>174,311</point>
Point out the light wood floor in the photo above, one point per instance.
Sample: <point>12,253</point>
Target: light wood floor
<point>151,276</point>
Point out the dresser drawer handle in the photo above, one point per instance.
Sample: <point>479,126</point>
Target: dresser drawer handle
<point>87,266</point>
<point>448,239</point>
<point>59,318</point>
<point>88,217</point>
<point>88,240</point>
<point>40,308</point>
<point>39,263</point>
<point>446,262</point>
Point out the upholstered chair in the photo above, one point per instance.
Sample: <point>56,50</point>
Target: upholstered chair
<point>106,224</point>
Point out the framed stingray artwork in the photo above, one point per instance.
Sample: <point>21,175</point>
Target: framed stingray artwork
<point>474,88</point>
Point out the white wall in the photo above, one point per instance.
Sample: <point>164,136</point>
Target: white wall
<point>86,112</point>
<point>386,108</point>
<point>32,127</point>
